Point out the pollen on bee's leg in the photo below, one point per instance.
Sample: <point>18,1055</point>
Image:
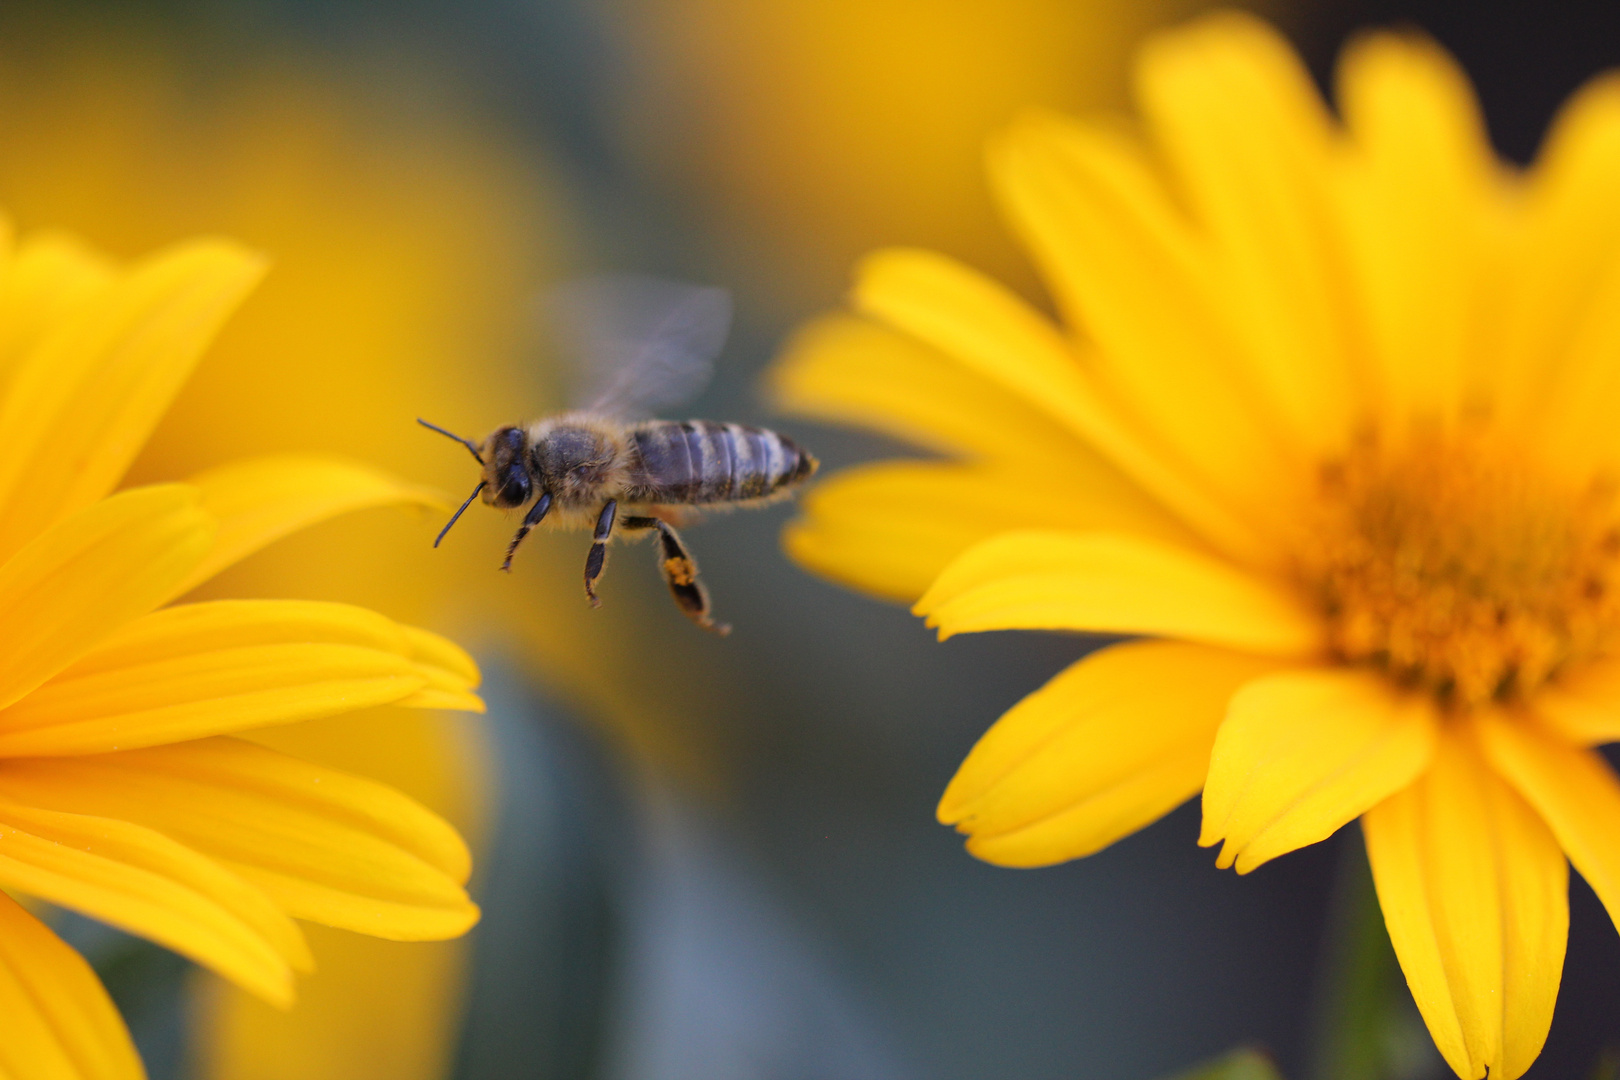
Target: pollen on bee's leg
<point>679,571</point>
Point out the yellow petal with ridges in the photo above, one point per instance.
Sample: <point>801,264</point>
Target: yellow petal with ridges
<point>997,336</point>
<point>1303,753</point>
<point>260,500</point>
<point>325,846</point>
<point>1108,746</point>
<point>1475,895</point>
<point>1126,269</point>
<point>424,911</point>
<point>42,282</point>
<point>190,697</point>
<point>145,882</point>
<point>1572,788</point>
<point>264,806</point>
<point>1583,706</point>
<point>1415,204</point>
<point>430,650</point>
<point>848,369</point>
<point>202,669</point>
<point>83,402</point>
<point>1241,121</point>
<point>90,574</point>
<point>1114,584</point>
<point>890,528</point>
<point>60,1024</point>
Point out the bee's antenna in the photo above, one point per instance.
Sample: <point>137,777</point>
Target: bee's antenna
<point>471,446</point>
<point>457,515</point>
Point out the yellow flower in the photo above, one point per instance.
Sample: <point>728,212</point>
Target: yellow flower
<point>120,796</point>
<point>407,244</point>
<point>1330,423</point>
<point>808,130</point>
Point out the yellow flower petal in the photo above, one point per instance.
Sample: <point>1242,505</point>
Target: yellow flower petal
<point>1563,270</point>
<point>60,1024</point>
<point>83,402</point>
<point>1573,789</point>
<point>1414,210</point>
<point>450,673</point>
<point>261,500</point>
<point>1303,753</point>
<point>202,669</point>
<point>1583,706</point>
<point>853,370</point>
<point>989,330</point>
<point>1114,584</point>
<point>1474,892</point>
<point>1112,744</point>
<point>1124,267</point>
<point>45,279</point>
<point>328,846</point>
<point>90,574</point>
<point>1240,119</point>
<point>146,883</point>
<point>1562,326</point>
<point>890,528</point>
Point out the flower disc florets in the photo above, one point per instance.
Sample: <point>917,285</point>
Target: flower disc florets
<point>1453,562</point>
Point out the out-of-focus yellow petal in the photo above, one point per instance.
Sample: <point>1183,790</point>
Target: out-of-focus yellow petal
<point>59,1022</point>
<point>1563,271</point>
<point>890,528</point>
<point>260,500</point>
<point>327,846</point>
<point>376,1010</point>
<point>1563,317</point>
<point>1573,789</point>
<point>1583,705</point>
<point>203,669</point>
<point>149,884</point>
<point>1303,753</point>
<point>1115,584</point>
<point>43,281</point>
<point>1110,745</point>
<point>91,573</point>
<point>1242,123</point>
<point>84,400</point>
<point>1475,894</point>
<point>1415,208</point>
<point>993,333</point>
<point>1124,267</point>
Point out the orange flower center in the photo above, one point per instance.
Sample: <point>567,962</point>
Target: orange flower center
<point>1456,566</point>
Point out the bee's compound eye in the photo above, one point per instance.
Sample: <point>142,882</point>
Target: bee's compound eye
<point>515,487</point>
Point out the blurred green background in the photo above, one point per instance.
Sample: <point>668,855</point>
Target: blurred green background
<point>701,859</point>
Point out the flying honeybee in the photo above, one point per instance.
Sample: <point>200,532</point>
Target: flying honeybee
<point>645,344</point>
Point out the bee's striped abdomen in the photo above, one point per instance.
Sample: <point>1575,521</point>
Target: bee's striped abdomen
<point>700,461</point>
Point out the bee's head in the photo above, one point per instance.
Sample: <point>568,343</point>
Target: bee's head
<point>507,480</point>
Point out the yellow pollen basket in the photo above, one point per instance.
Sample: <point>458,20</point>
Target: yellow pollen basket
<point>1456,565</point>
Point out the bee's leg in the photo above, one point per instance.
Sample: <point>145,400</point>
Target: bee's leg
<point>536,513</point>
<point>680,573</point>
<point>598,556</point>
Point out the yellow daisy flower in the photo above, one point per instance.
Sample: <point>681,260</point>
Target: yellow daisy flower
<point>120,795</point>
<point>1329,421</point>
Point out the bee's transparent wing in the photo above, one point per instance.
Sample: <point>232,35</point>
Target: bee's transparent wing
<point>638,344</point>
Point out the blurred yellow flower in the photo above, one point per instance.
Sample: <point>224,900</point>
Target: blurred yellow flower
<point>1331,423</point>
<point>408,240</point>
<point>120,797</point>
<point>816,129</point>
